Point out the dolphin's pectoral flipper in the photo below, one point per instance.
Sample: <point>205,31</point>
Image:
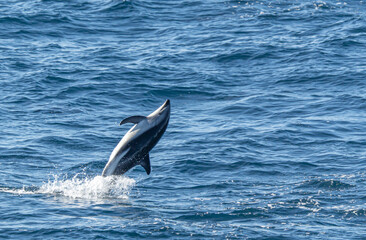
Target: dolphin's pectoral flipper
<point>133,119</point>
<point>145,163</point>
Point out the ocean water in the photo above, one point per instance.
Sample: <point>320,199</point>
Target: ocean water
<point>267,136</point>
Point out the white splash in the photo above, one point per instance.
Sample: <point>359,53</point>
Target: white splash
<point>89,188</point>
<point>85,188</point>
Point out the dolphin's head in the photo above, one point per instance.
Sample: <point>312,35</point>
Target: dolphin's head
<point>157,120</point>
<point>161,115</point>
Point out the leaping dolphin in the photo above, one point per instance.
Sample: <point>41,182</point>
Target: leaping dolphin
<point>134,147</point>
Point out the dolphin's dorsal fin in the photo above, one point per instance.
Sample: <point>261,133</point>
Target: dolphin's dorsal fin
<point>145,163</point>
<point>132,119</point>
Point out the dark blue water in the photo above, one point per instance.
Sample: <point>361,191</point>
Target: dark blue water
<point>267,137</point>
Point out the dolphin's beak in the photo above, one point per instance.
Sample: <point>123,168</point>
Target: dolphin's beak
<point>166,105</point>
<point>162,110</point>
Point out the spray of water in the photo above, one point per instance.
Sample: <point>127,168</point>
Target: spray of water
<point>90,188</point>
<point>87,188</point>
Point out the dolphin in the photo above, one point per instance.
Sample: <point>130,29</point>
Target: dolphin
<point>134,147</point>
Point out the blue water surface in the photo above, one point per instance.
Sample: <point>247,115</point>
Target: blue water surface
<point>267,136</point>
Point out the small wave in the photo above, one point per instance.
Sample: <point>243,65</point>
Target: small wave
<point>113,5</point>
<point>225,216</point>
<point>349,211</point>
<point>85,188</point>
<point>326,184</point>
